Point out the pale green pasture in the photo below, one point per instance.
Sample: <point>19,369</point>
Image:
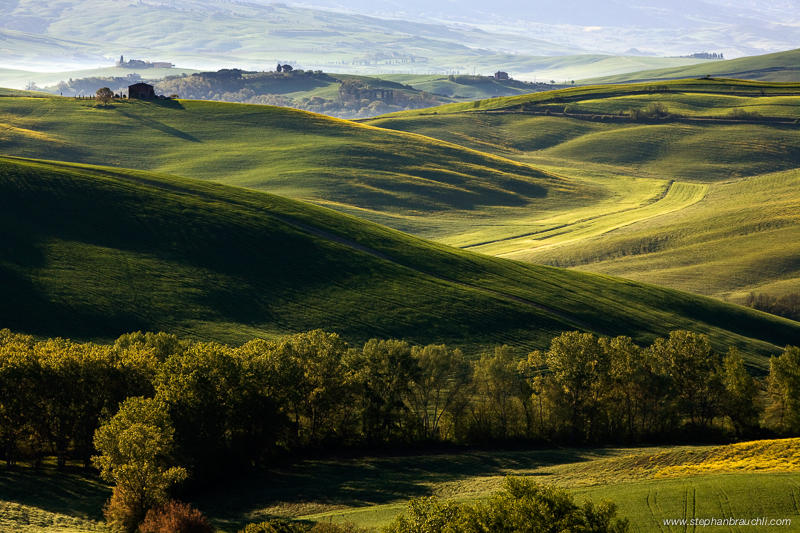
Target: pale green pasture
<point>283,151</point>
<point>777,67</point>
<point>695,104</point>
<point>495,229</point>
<point>680,151</point>
<point>572,228</point>
<point>620,475</point>
<point>372,490</point>
<point>502,231</point>
<point>742,237</point>
<point>18,518</point>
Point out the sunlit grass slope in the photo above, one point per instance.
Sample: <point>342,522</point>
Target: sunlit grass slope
<point>92,253</point>
<point>781,66</point>
<point>744,236</point>
<point>690,90</point>
<point>738,236</point>
<point>279,150</point>
<point>705,146</point>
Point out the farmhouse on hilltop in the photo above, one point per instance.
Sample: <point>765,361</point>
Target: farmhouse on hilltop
<point>141,91</point>
<point>500,75</point>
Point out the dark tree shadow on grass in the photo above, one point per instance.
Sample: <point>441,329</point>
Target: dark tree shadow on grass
<point>73,492</point>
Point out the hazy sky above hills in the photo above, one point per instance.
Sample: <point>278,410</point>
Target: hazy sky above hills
<point>737,27</point>
<point>423,36</point>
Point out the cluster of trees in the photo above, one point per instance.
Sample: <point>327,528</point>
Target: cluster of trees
<point>706,55</point>
<point>89,86</point>
<point>738,113</point>
<point>653,111</point>
<point>152,410</point>
<point>787,306</point>
<point>357,99</point>
<point>234,407</point>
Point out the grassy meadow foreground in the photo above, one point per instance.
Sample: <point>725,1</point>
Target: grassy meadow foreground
<point>371,491</point>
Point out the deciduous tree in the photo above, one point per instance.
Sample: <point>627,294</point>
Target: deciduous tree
<point>104,95</point>
<point>136,447</point>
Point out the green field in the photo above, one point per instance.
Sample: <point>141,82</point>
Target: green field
<point>371,490</point>
<point>47,500</point>
<point>94,252</point>
<point>733,235</point>
<point>283,151</point>
<point>602,195</point>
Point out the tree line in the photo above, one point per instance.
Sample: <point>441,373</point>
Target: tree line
<point>787,305</point>
<point>237,407</point>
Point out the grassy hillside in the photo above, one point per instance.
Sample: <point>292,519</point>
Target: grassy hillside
<point>715,247</point>
<point>733,234</point>
<point>279,150</point>
<point>780,66</point>
<point>371,491</point>
<point>591,180</point>
<point>694,91</point>
<point>47,500</point>
<point>94,252</point>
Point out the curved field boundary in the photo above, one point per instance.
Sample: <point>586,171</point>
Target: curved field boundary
<point>679,196</point>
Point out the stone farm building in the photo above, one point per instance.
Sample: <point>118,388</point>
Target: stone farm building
<point>500,75</point>
<point>142,91</point>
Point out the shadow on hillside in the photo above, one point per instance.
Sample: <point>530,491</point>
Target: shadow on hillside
<point>367,481</point>
<point>159,126</point>
<point>74,492</point>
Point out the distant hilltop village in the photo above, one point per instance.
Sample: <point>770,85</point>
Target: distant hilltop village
<point>137,63</point>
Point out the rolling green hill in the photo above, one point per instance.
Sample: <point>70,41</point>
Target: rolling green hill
<point>696,96</point>
<point>732,235</point>
<point>284,151</point>
<point>93,252</point>
<point>590,180</point>
<point>780,66</point>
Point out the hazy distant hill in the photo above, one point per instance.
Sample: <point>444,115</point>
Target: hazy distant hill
<point>65,35</point>
<point>664,26</point>
<point>780,67</point>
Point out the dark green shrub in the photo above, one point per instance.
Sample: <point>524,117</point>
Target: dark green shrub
<point>275,526</point>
